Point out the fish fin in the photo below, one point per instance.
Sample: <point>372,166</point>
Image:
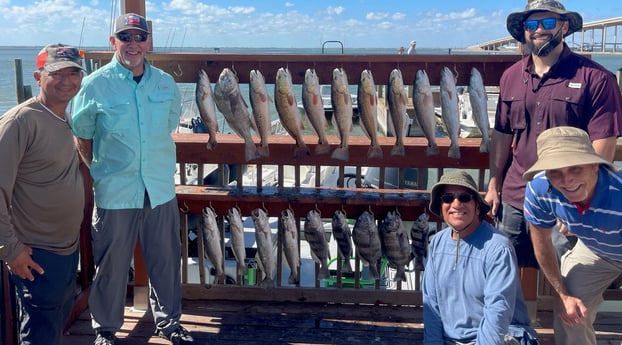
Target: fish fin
<point>400,275</point>
<point>323,273</point>
<point>375,151</point>
<point>316,99</point>
<point>432,150</point>
<point>294,279</point>
<point>263,97</point>
<point>211,143</point>
<point>398,150</point>
<point>322,148</point>
<point>341,153</point>
<point>301,150</point>
<point>263,150</point>
<point>250,151</point>
<point>373,271</point>
<point>290,100</point>
<point>484,146</point>
<point>241,269</point>
<point>454,151</point>
<point>347,266</point>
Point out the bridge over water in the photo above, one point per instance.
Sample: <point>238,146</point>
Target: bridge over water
<point>598,36</point>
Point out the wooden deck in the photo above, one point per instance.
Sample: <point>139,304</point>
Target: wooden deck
<point>243,322</point>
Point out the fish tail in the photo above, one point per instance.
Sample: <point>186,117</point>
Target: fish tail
<point>398,150</point>
<point>241,269</point>
<point>250,151</point>
<point>341,153</point>
<point>400,275</point>
<point>301,150</point>
<point>484,146</point>
<point>432,150</point>
<point>293,277</point>
<point>374,151</point>
<point>373,271</point>
<point>323,273</point>
<point>263,150</point>
<point>267,282</point>
<point>454,151</point>
<point>347,267</point>
<point>322,148</point>
<point>211,143</point>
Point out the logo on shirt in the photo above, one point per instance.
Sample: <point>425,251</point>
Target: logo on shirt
<point>574,85</point>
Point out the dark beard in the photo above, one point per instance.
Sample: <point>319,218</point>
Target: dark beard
<point>546,48</point>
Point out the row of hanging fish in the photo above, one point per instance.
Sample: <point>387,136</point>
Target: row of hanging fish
<point>366,240</point>
<point>227,98</point>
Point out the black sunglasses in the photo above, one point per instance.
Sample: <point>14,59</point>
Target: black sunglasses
<point>127,37</point>
<point>448,198</point>
<point>547,23</point>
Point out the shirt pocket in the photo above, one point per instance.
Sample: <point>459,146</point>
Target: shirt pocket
<point>116,113</point>
<point>515,112</point>
<point>161,103</point>
<point>571,105</point>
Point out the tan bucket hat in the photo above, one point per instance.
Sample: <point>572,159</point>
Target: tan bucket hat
<point>456,178</point>
<point>515,21</point>
<point>562,147</point>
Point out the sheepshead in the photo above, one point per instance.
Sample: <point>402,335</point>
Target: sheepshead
<point>449,110</point>
<point>260,105</point>
<point>314,108</point>
<point>213,246</point>
<point>315,235</point>
<point>367,241</point>
<point>290,244</point>
<point>424,110</point>
<point>397,99</point>
<point>236,229</point>
<point>266,260</point>
<point>207,107</point>
<point>479,106</point>
<point>395,245</point>
<point>419,234</point>
<point>233,107</point>
<point>342,112</point>
<point>367,103</point>
<point>287,109</point>
<point>343,235</point>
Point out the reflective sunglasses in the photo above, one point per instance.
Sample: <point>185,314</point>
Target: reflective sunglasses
<point>547,23</point>
<point>448,198</point>
<point>127,37</point>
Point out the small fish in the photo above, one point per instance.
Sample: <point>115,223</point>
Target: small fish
<point>449,110</point>
<point>260,104</point>
<point>314,108</point>
<point>290,245</point>
<point>207,107</point>
<point>343,235</point>
<point>233,107</point>
<point>342,112</point>
<point>315,235</point>
<point>266,260</point>
<point>397,100</point>
<point>288,111</point>
<point>236,229</point>
<point>395,245</point>
<point>367,241</point>
<point>367,103</point>
<point>424,110</point>
<point>479,106</point>
<point>419,234</point>
<point>213,246</point>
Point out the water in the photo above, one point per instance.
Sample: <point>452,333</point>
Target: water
<point>8,97</point>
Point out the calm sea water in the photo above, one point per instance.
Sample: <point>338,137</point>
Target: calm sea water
<point>27,55</point>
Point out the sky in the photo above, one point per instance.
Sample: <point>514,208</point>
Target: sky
<point>280,24</point>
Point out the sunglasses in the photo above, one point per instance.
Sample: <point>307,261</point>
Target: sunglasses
<point>547,23</point>
<point>127,37</point>
<point>448,198</point>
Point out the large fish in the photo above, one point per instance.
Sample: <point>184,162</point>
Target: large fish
<point>287,109</point>
<point>424,110</point>
<point>395,245</point>
<point>397,99</point>
<point>314,108</point>
<point>419,234</point>
<point>233,107</point>
<point>342,112</point>
<point>367,241</point>
<point>343,235</point>
<point>479,106</point>
<point>236,229</point>
<point>213,246</point>
<point>260,104</point>
<point>266,261</point>
<point>207,107</point>
<point>449,110</point>
<point>315,235</point>
<point>290,245</point>
<point>367,103</point>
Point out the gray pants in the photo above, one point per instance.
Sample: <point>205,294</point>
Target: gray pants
<point>586,276</point>
<point>115,233</point>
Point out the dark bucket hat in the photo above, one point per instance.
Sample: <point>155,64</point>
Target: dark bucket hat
<point>455,178</point>
<point>562,147</point>
<point>516,20</point>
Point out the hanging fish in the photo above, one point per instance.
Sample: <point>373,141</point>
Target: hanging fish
<point>290,244</point>
<point>343,235</point>
<point>419,234</point>
<point>236,229</point>
<point>265,249</point>
<point>315,235</point>
<point>395,246</point>
<point>367,241</point>
<point>213,246</point>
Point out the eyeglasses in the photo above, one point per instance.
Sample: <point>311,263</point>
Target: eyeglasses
<point>547,23</point>
<point>448,198</point>
<point>127,37</point>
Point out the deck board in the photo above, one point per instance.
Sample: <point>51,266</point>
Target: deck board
<point>256,322</point>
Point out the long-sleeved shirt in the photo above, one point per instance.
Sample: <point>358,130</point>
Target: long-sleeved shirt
<point>481,300</point>
<point>41,189</point>
<point>130,124</point>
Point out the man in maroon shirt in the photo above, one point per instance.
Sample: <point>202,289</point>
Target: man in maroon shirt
<point>550,86</point>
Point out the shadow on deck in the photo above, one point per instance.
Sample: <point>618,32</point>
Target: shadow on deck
<point>241,322</point>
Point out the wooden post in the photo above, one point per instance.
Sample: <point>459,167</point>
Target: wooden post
<point>19,81</point>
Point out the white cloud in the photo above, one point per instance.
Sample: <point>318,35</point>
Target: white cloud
<point>289,4</point>
<point>376,15</point>
<point>335,10</point>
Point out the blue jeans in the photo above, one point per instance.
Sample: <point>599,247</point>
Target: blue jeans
<point>44,305</point>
